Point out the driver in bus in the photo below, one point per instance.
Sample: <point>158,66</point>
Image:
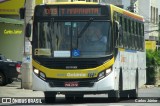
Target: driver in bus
<point>95,40</point>
<point>95,35</point>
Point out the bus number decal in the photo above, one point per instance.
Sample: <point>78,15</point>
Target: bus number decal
<point>51,11</point>
<point>91,75</point>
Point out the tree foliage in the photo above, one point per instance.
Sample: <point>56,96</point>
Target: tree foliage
<point>153,62</point>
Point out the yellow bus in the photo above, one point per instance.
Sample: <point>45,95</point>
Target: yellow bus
<point>83,48</point>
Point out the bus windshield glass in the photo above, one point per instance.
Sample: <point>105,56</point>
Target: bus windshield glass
<point>74,39</point>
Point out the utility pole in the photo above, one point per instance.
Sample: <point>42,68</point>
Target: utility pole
<point>27,58</point>
<point>132,7</point>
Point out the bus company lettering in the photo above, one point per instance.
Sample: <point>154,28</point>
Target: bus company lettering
<point>76,75</point>
<point>10,32</point>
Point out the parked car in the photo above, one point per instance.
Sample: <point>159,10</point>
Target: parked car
<point>9,70</point>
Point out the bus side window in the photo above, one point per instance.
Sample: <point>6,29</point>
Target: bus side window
<point>125,33</point>
<point>133,34</point>
<point>120,32</point>
<point>141,36</point>
<point>137,36</point>
<point>129,34</point>
<point>142,31</point>
<point>119,41</point>
<point>115,30</point>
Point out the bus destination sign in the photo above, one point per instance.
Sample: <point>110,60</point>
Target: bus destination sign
<point>77,11</point>
<point>50,12</point>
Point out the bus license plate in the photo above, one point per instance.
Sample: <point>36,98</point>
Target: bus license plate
<point>71,84</point>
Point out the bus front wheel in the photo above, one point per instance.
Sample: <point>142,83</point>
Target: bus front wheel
<point>50,97</point>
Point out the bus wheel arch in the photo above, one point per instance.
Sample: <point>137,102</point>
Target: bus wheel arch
<point>123,93</point>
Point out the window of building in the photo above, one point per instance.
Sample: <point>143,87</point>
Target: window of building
<point>151,14</point>
<point>156,15</point>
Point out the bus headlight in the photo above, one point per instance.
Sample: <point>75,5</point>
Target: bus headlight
<point>36,71</point>
<point>104,73</point>
<point>40,74</point>
<point>108,71</point>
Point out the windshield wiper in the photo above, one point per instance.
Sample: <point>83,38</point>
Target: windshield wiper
<point>85,27</point>
<point>51,27</point>
<point>83,30</point>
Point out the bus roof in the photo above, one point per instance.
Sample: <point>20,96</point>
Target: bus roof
<point>71,3</point>
<point>113,7</point>
<point>127,13</point>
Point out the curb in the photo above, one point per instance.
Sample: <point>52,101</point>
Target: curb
<point>150,86</point>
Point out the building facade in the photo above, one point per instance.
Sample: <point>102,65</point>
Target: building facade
<point>150,10</point>
<point>12,29</point>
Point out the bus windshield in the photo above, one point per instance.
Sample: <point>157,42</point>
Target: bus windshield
<point>75,39</point>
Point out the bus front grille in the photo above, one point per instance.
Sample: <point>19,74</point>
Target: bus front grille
<point>65,64</point>
<point>61,83</point>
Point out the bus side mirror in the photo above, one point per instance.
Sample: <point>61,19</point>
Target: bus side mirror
<point>28,30</point>
<point>22,13</point>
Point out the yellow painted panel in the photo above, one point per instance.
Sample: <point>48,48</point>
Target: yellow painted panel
<point>150,45</point>
<point>12,6</point>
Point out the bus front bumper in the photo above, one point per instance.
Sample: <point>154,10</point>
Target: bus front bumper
<point>105,84</point>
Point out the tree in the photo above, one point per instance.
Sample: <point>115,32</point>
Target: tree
<point>153,63</point>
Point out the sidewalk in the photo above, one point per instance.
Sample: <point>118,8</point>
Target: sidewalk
<point>14,90</point>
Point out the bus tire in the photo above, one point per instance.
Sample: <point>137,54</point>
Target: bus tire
<point>124,95</point>
<point>133,94</point>
<point>114,96</point>
<point>50,97</point>
<point>79,97</point>
<point>69,97</point>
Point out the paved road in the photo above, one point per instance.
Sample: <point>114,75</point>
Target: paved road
<point>14,90</point>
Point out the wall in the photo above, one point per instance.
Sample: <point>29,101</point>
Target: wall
<point>11,41</point>
<point>145,11</point>
<point>126,3</point>
<point>116,2</point>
